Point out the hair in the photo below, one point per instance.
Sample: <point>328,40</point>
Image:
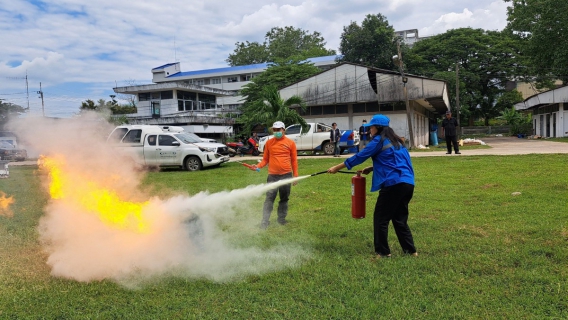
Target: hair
<point>388,132</point>
<point>334,124</point>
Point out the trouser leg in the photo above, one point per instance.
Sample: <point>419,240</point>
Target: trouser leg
<point>268,202</point>
<point>449,143</point>
<point>337,148</point>
<point>284,194</point>
<point>392,204</point>
<point>400,218</point>
<point>455,142</point>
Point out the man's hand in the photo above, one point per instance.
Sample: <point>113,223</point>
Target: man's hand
<point>367,170</point>
<point>333,169</point>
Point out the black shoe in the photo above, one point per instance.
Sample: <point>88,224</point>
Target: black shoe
<point>448,153</point>
<point>283,223</point>
<point>458,153</point>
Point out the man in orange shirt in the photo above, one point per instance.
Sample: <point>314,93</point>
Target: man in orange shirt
<point>282,159</point>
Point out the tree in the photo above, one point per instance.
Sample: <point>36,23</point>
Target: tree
<point>371,44</point>
<point>280,44</point>
<point>9,110</point>
<point>542,25</point>
<point>486,60</point>
<point>278,75</point>
<point>270,107</point>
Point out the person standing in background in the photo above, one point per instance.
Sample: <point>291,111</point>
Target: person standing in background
<point>334,136</point>
<point>363,136</point>
<point>281,156</point>
<point>449,131</point>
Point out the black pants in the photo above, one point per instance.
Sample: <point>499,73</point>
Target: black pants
<point>284,192</point>
<point>392,204</point>
<point>452,140</point>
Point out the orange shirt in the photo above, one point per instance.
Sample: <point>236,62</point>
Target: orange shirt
<point>281,156</point>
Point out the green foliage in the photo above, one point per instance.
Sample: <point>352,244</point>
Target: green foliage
<point>276,76</point>
<point>484,254</point>
<point>541,24</point>
<point>520,123</point>
<point>270,107</point>
<point>280,44</point>
<point>373,43</point>
<point>486,59</point>
<point>9,110</point>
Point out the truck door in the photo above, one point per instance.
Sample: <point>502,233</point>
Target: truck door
<point>168,150</point>
<point>151,150</point>
<point>294,132</point>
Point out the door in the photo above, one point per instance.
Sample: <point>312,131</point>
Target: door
<point>293,132</point>
<point>151,150</point>
<point>554,124</point>
<point>168,150</point>
<point>155,109</point>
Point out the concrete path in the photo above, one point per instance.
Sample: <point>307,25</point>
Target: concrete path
<point>499,146</point>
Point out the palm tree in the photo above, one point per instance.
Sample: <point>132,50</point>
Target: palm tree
<point>270,107</point>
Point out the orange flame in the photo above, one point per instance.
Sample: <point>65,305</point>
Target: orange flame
<point>5,205</point>
<point>76,189</point>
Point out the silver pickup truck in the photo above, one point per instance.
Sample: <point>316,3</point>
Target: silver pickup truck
<point>150,145</point>
<point>316,138</point>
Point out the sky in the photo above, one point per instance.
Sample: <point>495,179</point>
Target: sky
<point>80,50</point>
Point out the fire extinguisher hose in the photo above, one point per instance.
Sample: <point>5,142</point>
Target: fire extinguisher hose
<point>315,174</point>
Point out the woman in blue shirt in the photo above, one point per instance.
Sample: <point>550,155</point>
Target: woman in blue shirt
<point>393,175</point>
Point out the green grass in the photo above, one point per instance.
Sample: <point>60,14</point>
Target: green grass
<point>564,139</point>
<point>484,253</point>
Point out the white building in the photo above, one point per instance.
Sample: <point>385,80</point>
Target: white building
<point>549,112</point>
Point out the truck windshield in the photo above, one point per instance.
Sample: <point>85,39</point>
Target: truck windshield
<point>186,138</point>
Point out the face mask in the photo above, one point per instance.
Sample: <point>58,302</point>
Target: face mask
<point>278,135</point>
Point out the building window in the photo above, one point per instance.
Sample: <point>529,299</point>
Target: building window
<point>144,96</point>
<point>341,108</point>
<point>328,109</point>
<point>216,81</point>
<point>359,108</point>
<point>316,110</point>
<point>199,82</point>
<point>166,95</point>
<point>372,107</point>
<point>180,105</point>
<point>232,79</point>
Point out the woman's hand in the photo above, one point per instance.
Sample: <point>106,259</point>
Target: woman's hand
<point>333,169</point>
<point>367,170</point>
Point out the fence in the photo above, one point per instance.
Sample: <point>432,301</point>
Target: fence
<point>486,130</point>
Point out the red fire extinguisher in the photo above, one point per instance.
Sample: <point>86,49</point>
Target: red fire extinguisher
<point>358,196</point>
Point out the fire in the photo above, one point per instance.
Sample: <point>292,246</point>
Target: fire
<point>76,189</point>
<point>5,205</point>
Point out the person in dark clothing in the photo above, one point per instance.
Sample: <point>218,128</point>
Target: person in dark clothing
<point>449,130</point>
<point>363,135</point>
<point>334,136</point>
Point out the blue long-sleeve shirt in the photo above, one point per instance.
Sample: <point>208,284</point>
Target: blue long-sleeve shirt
<point>390,165</point>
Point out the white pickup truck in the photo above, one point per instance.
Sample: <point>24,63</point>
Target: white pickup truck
<point>151,145</point>
<point>316,138</point>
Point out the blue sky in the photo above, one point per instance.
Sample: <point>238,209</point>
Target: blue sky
<point>80,49</point>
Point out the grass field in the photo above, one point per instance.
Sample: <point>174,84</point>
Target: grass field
<point>484,253</point>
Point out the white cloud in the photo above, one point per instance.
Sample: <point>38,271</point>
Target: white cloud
<point>99,42</point>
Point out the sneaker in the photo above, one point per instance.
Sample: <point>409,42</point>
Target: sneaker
<point>263,226</point>
<point>458,153</point>
<point>283,223</point>
<point>448,153</point>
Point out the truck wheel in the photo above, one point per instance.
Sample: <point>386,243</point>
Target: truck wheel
<point>328,148</point>
<point>193,163</point>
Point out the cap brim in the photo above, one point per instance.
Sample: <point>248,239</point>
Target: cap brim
<point>367,125</point>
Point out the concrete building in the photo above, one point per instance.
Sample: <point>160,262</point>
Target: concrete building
<point>549,111</point>
<point>349,93</point>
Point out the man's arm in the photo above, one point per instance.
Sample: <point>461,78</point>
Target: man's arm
<point>294,158</point>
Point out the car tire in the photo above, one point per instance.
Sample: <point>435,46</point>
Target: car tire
<point>192,163</point>
<point>328,148</point>
<point>255,153</point>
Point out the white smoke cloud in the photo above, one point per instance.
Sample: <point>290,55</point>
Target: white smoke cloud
<point>187,235</point>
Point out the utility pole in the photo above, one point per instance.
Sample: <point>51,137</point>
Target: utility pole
<point>409,112</point>
<point>41,96</point>
<point>27,90</point>
<point>458,96</point>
